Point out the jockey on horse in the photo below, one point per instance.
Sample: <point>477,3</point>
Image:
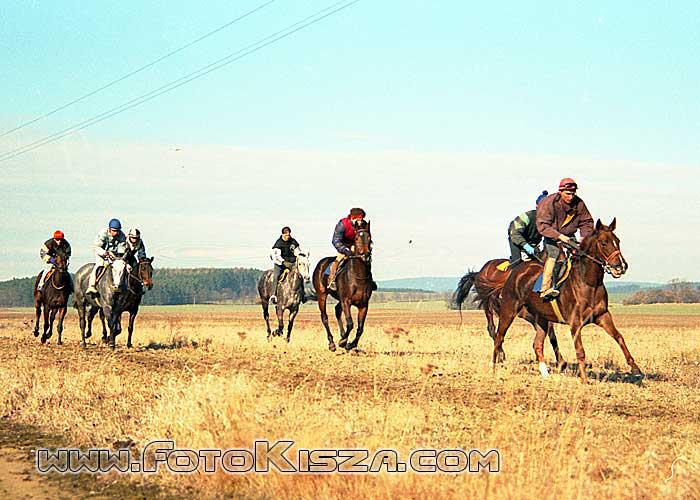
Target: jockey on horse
<point>523,236</point>
<point>51,248</point>
<point>137,250</point>
<point>284,255</point>
<point>109,243</point>
<point>344,239</point>
<point>559,216</point>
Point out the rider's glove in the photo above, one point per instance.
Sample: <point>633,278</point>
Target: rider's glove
<point>528,249</point>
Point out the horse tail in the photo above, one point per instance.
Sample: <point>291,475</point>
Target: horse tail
<point>462,291</point>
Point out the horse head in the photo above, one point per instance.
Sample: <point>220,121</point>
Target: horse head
<point>363,241</point>
<point>61,263</point>
<point>604,245</point>
<point>144,272</point>
<point>303,266</point>
<point>118,266</point>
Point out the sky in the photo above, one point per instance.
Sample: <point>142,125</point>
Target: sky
<point>444,120</point>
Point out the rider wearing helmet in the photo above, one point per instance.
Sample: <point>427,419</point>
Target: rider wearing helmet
<point>135,245</point>
<point>559,216</point>
<point>522,233</point>
<point>344,240</point>
<point>51,248</point>
<point>109,244</point>
<point>284,255</point>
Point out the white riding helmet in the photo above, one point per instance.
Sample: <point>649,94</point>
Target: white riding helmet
<point>135,233</point>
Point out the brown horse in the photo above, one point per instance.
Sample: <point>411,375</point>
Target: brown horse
<point>353,288</point>
<point>488,283</point>
<point>583,298</point>
<point>53,299</point>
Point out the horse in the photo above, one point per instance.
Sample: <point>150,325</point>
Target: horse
<point>288,294</point>
<point>353,288</point>
<point>111,288</point>
<point>138,277</point>
<point>582,300</point>
<point>488,283</point>
<point>53,299</point>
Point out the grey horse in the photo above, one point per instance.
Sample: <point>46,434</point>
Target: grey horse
<point>109,301</point>
<point>288,295</point>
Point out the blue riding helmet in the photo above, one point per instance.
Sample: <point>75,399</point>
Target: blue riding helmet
<point>115,224</point>
<point>541,197</point>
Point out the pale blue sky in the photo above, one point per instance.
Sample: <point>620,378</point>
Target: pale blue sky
<point>443,119</point>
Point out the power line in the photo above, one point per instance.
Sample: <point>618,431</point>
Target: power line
<point>142,68</point>
<point>264,42</point>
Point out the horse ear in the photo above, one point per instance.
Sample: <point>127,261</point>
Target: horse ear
<point>151,260</point>
<point>598,225</point>
<point>613,224</point>
<point>369,223</point>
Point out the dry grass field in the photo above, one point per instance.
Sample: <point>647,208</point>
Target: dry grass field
<point>207,378</point>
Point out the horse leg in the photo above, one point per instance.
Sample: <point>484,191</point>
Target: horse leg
<point>37,306</point>
<point>576,329</point>
<point>290,324</point>
<point>605,321</point>
<point>47,314</point>
<point>322,297</point>
<point>361,316</point>
<point>338,317</point>
<point>266,315</point>
<point>90,316</point>
<point>112,324</point>
<point>132,318</point>
<point>61,315</point>
<point>491,325</point>
<point>555,347</point>
<point>505,319</point>
<point>280,320</point>
<point>82,313</point>
<point>348,325</point>
<point>541,327</point>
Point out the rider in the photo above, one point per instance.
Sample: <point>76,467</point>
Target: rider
<point>51,248</point>
<point>559,216</point>
<point>109,244</point>
<point>343,241</point>
<point>284,255</point>
<point>523,235</point>
<point>136,248</point>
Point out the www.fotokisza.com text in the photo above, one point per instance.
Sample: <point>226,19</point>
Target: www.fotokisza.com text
<point>263,457</point>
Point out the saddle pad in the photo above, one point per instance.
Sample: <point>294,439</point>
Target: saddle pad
<point>327,271</point>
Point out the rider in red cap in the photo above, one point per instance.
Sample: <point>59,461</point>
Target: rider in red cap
<point>48,252</point>
<point>559,216</point>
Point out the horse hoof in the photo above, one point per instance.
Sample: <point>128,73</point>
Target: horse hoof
<point>637,372</point>
<point>288,339</point>
<point>36,333</point>
<point>500,357</point>
<point>60,342</point>
<point>342,343</point>
<point>350,346</point>
<point>543,370</point>
<point>43,339</point>
<point>562,366</point>
<point>88,335</point>
<point>129,345</point>
<point>331,347</point>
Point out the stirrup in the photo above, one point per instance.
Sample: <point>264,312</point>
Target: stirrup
<point>273,299</point>
<point>331,286</point>
<point>550,294</point>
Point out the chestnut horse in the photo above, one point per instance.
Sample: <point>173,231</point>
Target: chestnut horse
<point>583,298</point>
<point>488,283</point>
<point>353,288</point>
<point>53,299</point>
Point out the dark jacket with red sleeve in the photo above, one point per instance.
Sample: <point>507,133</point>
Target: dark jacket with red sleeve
<point>555,217</point>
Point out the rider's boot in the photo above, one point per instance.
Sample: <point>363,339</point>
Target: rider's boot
<point>548,291</point>
<point>331,276</point>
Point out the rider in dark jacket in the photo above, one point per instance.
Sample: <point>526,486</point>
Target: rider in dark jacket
<point>522,233</point>
<point>51,248</point>
<point>284,255</point>
<point>343,241</point>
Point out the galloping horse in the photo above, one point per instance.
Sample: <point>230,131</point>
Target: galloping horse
<point>583,298</point>
<point>53,298</point>
<point>353,288</point>
<point>488,283</point>
<point>110,301</point>
<point>288,295</point>
<point>138,277</point>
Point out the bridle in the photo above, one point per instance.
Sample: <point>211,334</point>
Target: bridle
<point>605,264</point>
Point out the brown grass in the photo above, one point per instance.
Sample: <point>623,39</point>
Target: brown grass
<point>209,379</point>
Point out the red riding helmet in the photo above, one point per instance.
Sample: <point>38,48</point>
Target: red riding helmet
<point>567,184</point>
<point>58,235</point>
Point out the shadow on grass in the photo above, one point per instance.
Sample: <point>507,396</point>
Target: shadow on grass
<point>176,343</point>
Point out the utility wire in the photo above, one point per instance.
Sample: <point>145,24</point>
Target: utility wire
<point>142,68</point>
<point>269,40</point>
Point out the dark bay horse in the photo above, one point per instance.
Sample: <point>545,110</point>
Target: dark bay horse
<point>583,298</point>
<point>53,299</point>
<point>288,295</point>
<point>111,287</point>
<point>488,283</point>
<point>139,278</point>
<point>353,288</point>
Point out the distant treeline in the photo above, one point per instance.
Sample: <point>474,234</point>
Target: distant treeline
<point>198,286</point>
<point>676,291</point>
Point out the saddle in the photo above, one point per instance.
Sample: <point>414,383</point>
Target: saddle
<point>101,271</point>
<point>341,268</point>
<point>562,276</point>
